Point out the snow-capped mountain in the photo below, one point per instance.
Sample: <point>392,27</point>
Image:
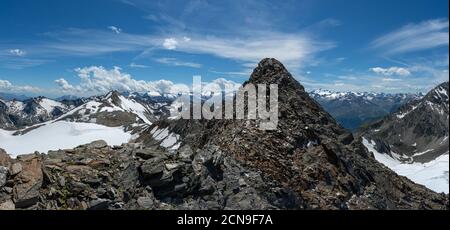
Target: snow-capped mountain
<point>353,109</point>
<point>415,135</point>
<point>114,117</point>
<point>16,114</point>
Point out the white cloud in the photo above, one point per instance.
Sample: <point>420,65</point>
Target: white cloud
<point>399,71</point>
<point>414,37</point>
<point>64,85</point>
<point>99,80</point>
<point>170,43</point>
<point>292,49</point>
<point>17,52</point>
<point>7,86</point>
<point>176,62</point>
<point>423,77</point>
<point>219,85</point>
<point>116,30</point>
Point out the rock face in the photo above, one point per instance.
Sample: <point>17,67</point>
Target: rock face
<point>417,132</point>
<point>309,162</point>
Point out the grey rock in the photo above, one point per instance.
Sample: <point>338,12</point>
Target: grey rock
<point>99,204</point>
<point>97,144</point>
<point>3,175</point>
<point>149,153</point>
<point>8,190</point>
<point>16,168</point>
<point>145,202</point>
<point>152,167</point>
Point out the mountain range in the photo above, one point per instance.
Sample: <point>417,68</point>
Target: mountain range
<point>350,109</point>
<point>138,158</point>
<point>353,109</point>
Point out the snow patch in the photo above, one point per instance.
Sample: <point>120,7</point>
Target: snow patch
<point>60,135</point>
<point>167,139</point>
<point>134,107</point>
<point>50,105</point>
<point>402,115</point>
<point>434,174</point>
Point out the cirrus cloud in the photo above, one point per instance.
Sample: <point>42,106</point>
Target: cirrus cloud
<point>399,71</point>
<point>414,37</point>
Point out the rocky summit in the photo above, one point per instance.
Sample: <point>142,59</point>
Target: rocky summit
<point>308,162</point>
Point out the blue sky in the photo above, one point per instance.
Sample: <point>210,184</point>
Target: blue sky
<point>87,47</point>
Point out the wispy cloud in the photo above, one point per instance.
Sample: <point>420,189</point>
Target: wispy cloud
<point>399,71</point>
<point>244,73</point>
<point>292,49</point>
<point>176,62</point>
<point>18,59</point>
<point>134,65</point>
<point>115,29</point>
<point>414,37</point>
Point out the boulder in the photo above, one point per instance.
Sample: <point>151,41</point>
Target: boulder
<point>97,144</point>
<point>152,167</point>
<point>28,182</point>
<point>99,204</point>
<point>145,202</point>
<point>7,205</point>
<point>16,168</point>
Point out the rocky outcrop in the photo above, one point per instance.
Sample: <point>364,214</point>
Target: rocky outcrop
<point>131,176</point>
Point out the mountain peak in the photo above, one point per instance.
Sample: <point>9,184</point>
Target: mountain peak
<point>272,71</point>
<point>271,63</point>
